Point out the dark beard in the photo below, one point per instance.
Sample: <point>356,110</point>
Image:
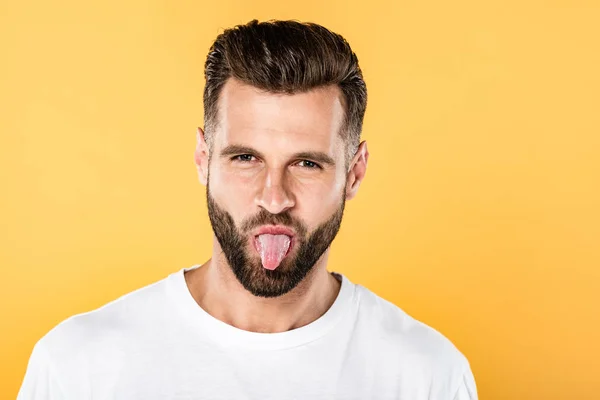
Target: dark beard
<point>249,271</point>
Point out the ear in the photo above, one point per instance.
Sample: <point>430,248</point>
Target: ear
<point>357,170</point>
<point>201,156</point>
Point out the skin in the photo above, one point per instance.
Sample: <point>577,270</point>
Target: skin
<point>271,175</point>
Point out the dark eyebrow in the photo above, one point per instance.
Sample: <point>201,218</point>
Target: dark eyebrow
<point>235,149</point>
<point>316,156</point>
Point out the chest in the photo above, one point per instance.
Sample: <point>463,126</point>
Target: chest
<point>319,370</point>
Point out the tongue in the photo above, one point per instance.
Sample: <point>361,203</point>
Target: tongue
<point>273,249</point>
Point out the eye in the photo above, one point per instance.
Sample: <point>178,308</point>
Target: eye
<point>243,158</point>
<point>309,164</point>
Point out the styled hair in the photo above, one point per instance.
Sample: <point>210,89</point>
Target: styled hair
<point>286,57</point>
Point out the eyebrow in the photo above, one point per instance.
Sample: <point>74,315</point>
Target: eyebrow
<point>316,156</point>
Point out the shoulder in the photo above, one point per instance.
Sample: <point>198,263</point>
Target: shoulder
<point>393,324</point>
<point>108,327</point>
<point>410,343</point>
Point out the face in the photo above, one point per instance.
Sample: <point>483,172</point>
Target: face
<point>277,162</point>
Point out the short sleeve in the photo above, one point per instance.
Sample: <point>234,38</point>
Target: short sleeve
<point>467,389</point>
<point>40,382</point>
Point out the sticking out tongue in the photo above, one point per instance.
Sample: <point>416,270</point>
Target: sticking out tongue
<point>272,249</point>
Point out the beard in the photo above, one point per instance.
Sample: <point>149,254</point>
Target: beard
<point>247,266</point>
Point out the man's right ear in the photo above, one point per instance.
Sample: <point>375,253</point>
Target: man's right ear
<point>201,155</point>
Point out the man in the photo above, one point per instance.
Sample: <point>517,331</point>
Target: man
<point>262,319</point>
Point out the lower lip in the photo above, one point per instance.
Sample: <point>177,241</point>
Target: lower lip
<point>257,245</point>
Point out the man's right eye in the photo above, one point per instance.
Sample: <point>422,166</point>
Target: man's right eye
<point>243,157</point>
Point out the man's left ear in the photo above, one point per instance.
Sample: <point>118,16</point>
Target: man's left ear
<point>357,171</point>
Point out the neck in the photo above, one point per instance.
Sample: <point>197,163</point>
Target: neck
<point>216,289</point>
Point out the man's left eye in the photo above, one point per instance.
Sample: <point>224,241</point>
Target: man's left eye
<point>309,164</point>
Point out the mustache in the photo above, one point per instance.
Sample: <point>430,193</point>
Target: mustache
<point>263,217</point>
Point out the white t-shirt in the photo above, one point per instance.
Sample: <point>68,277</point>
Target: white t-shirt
<point>157,343</point>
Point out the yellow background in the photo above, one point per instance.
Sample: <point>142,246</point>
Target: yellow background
<point>480,211</point>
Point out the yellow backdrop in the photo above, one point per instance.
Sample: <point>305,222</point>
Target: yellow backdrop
<point>480,211</point>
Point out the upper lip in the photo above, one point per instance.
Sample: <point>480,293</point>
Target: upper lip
<point>274,230</point>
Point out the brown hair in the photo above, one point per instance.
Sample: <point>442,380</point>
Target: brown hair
<point>286,57</point>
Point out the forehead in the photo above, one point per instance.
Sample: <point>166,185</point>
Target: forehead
<point>248,115</point>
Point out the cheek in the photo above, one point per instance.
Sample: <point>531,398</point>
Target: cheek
<point>232,192</point>
<point>317,205</point>
<point>236,179</point>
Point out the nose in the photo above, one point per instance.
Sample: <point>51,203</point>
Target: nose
<point>275,196</point>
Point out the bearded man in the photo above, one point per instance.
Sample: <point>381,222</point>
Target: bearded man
<point>263,318</point>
